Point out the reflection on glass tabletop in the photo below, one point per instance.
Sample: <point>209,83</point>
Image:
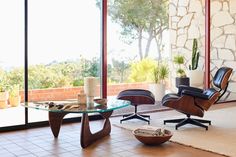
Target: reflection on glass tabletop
<point>73,106</point>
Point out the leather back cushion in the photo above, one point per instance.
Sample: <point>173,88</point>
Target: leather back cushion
<point>221,77</point>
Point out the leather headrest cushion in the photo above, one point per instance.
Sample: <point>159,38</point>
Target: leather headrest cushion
<point>221,77</point>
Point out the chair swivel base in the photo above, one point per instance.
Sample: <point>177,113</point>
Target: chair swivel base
<point>145,118</point>
<point>188,120</point>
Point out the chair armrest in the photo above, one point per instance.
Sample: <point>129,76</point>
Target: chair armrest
<point>184,87</point>
<point>195,94</point>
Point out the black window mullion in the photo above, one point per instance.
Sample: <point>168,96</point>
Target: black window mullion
<point>26,59</point>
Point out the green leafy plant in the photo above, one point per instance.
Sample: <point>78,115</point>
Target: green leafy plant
<point>179,60</point>
<point>120,70</point>
<point>14,91</point>
<point>3,85</point>
<point>2,88</point>
<point>195,56</point>
<point>142,71</point>
<point>160,72</point>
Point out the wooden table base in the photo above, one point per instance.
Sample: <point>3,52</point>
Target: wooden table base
<point>86,137</point>
<point>55,120</point>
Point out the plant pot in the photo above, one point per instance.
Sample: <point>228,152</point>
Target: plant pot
<point>3,104</point>
<point>158,91</point>
<point>4,96</point>
<point>196,78</point>
<point>14,101</point>
<point>181,81</point>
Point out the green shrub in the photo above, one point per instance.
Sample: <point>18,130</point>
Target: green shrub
<point>160,73</point>
<point>14,90</point>
<point>179,60</point>
<point>142,71</point>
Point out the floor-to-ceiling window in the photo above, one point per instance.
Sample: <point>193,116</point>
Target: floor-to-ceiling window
<point>138,42</point>
<point>11,62</point>
<point>223,41</point>
<point>64,47</point>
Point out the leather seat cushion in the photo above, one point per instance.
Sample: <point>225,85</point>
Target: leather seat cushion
<point>137,96</point>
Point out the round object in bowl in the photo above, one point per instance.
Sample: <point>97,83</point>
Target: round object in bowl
<point>152,140</point>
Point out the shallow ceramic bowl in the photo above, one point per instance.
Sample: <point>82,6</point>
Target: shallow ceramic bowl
<point>153,140</point>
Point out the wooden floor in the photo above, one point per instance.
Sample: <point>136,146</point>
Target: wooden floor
<point>40,142</point>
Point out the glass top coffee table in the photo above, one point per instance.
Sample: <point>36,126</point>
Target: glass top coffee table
<point>58,109</point>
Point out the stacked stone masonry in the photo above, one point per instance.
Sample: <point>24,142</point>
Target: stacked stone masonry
<point>187,21</point>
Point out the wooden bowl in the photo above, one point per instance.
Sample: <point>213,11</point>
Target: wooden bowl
<point>153,140</point>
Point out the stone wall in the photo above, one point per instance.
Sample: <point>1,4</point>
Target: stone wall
<point>187,21</point>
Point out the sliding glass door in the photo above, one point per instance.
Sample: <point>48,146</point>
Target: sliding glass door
<point>64,47</point>
<point>138,41</point>
<point>223,41</point>
<point>11,62</point>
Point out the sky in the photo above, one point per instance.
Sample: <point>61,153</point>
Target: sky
<point>59,30</point>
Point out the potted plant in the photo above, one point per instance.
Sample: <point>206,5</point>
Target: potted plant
<point>3,95</point>
<point>196,76</point>
<point>14,96</point>
<point>181,78</point>
<point>160,73</point>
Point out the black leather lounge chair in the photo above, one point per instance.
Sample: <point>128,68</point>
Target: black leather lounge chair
<point>194,101</point>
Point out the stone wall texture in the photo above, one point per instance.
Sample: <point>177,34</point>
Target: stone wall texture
<point>187,21</point>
